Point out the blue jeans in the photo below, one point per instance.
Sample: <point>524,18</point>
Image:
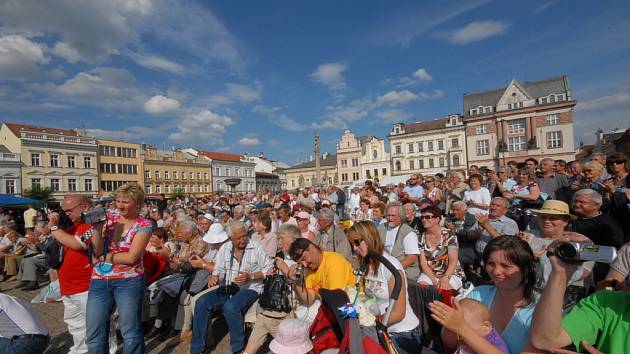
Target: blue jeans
<point>233,308</point>
<point>407,342</point>
<point>126,295</point>
<point>23,345</point>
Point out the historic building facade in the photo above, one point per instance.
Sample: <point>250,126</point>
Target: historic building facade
<point>168,172</point>
<point>10,172</point>
<point>348,159</point>
<point>375,161</point>
<point>533,119</point>
<point>119,162</point>
<point>305,174</point>
<point>63,160</point>
<point>428,147</point>
<point>230,172</point>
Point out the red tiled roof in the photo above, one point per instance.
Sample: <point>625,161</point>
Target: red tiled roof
<point>428,125</point>
<point>221,156</point>
<point>17,128</point>
<point>265,174</point>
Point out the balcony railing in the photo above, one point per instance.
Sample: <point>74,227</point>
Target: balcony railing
<point>58,137</point>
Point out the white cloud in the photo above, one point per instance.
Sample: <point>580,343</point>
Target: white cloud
<point>477,31</point>
<point>340,116</point>
<point>157,63</point>
<point>393,116</point>
<point>159,104</point>
<point>545,6</point>
<point>100,87</point>
<point>236,93</point>
<point>275,117</point>
<point>63,50</point>
<point>605,102</point>
<point>423,96</point>
<point>248,141</point>
<point>422,75</point>
<point>20,57</point>
<point>419,75</point>
<point>396,98</point>
<point>330,74</point>
<point>203,128</point>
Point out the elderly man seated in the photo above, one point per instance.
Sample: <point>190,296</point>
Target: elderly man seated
<point>239,270</point>
<point>331,237</point>
<point>465,227</point>
<point>400,240</point>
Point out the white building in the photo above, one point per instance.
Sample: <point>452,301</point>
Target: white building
<point>429,147</point>
<point>375,161</point>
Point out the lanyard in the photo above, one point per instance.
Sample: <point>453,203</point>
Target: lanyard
<point>240,262</point>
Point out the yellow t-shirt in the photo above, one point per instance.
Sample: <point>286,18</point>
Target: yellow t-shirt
<point>335,272</point>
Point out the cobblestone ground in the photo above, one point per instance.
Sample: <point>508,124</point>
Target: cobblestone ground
<point>52,314</point>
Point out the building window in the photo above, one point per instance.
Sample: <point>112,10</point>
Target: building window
<point>87,162</point>
<point>376,172</point>
<point>105,150</point>
<point>199,175</point>
<point>167,175</point>
<point>481,129</point>
<point>420,164</point>
<point>192,188</point>
<point>411,165</point>
<point>72,185</point>
<point>483,147</point>
<point>344,163</point>
<point>217,171</point>
<point>167,188</point>
<point>398,149</point>
<point>355,162</point>
<point>237,171</point>
<point>205,176</point>
<point>35,159</point>
<point>552,99</point>
<point>554,139</point>
<point>455,143</point>
<point>560,97</point>
<point>398,166</point>
<point>192,175</point>
<point>157,174</point>
<point>54,184</point>
<point>36,182</point>
<point>455,160</point>
<point>384,172</point>
<point>355,176</point>
<point>553,119</point>
<point>441,161</point>
<point>543,100</point>
<point>158,188</point>
<point>147,174</point>
<point>429,146</point>
<point>88,185</point>
<point>410,147</point>
<point>175,175</point>
<point>431,163</point>
<point>227,172</point>
<point>374,154</point>
<point>420,146</point>
<point>516,126</point>
<point>517,143</point>
<point>9,186</point>
<point>367,174</point>
<point>440,144</point>
<point>344,177</point>
<point>473,112</point>
<point>147,188</point>
<point>54,160</point>
<point>71,161</point>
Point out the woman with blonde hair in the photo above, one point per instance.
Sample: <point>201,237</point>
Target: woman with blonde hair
<point>118,277</point>
<point>403,325</point>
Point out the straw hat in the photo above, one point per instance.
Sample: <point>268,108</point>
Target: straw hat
<point>292,338</point>
<point>554,207</point>
<point>215,234</point>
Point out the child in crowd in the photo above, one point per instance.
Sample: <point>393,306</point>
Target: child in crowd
<point>478,317</point>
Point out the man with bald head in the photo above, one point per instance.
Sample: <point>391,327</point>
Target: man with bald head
<point>75,271</point>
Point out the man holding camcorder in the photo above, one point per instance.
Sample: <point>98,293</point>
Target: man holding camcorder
<point>240,266</point>
<point>75,272</point>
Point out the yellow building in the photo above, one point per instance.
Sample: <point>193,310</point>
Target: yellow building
<point>166,172</point>
<point>304,174</point>
<point>119,162</point>
<point>63,160</point>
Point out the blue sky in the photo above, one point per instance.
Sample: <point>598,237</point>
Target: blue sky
<point>252,76</point>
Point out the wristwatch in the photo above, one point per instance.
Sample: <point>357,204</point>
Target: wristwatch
<point>54,228</point>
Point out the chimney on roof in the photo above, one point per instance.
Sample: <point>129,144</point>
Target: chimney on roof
<point>599,136</point>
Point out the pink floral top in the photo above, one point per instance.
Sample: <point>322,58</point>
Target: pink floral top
<point>120,271</point>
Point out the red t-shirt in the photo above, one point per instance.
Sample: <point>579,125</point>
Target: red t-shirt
<point>75,273</point>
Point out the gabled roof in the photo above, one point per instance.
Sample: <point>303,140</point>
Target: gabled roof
<point>17,128</point>
<point>329,160</point>
<point>427,125</point>
<point>535,89</point>
<point>221,156</point>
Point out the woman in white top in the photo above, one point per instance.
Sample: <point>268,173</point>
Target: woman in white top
<point>478,197</point>
<point>364,212</point>
<point>403,325</point>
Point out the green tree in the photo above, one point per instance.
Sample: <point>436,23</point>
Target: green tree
<point>39,193</point>
<point>177,193</point>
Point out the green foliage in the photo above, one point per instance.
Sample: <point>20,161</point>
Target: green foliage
<point>177,194</point>
<point>39,193</point>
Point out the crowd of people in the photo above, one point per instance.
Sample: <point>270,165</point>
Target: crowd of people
<point>480,253</point>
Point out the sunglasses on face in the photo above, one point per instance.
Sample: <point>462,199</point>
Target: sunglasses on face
<point>427,217</point>
<point>619,162</point>
<point>357,241</point>
<point>298,255</point>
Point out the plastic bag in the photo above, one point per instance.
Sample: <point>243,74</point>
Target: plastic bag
<point>50,293</point>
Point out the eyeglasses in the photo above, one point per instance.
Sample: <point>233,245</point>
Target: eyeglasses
<point>298,255</point>
<point>71,209</point>
<point>357,241</point>
<point>618,162</point>
<point>426,217</point>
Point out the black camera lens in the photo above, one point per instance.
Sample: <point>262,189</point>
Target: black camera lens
<point>567,251</point>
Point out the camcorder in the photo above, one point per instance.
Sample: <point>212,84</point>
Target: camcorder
<point>93,216</point>
<point>582,252</point>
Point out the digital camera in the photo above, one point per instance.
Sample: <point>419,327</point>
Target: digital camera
<point>581,252</point>
<point>93,216</point>
<point>231,289</point>
<point>299,273</point>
